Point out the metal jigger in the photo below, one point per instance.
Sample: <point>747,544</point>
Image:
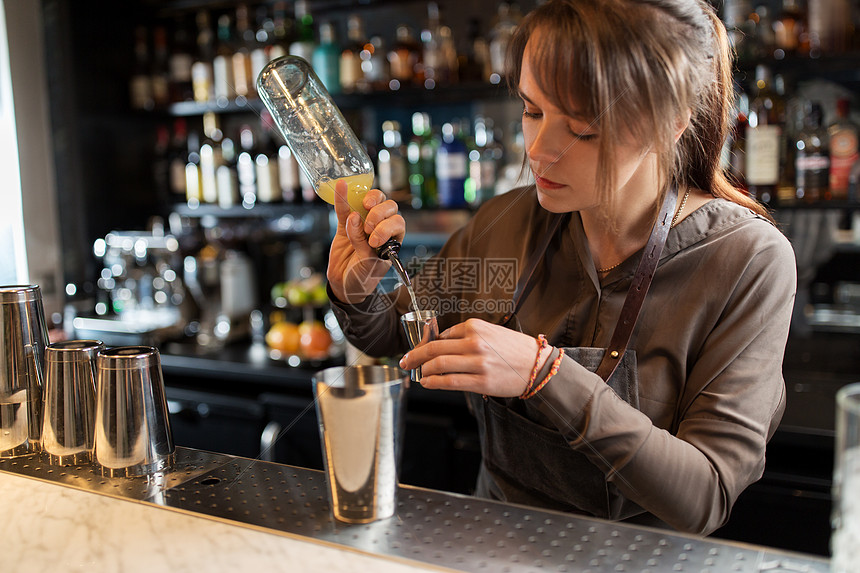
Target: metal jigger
<point>70,401</point>
<point>421,327</point>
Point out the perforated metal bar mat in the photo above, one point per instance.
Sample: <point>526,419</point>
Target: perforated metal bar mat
<point>188,465</point>
<point>435,528</point>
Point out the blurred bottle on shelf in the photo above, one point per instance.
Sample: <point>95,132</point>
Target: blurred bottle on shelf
<point>830,26</point>
<point>140,84</point>
<point>245,41</point>
<point>451,168</point>
<point>734,151</point>
<point>485,159</point>
<point>740,28</point>
<point>350,58</point>
<point>288,172</point>
<point>812,162</point>
<point>304,43</point>
<point>764,40</point>
<point>177,158</point>
<point>421,155</point>
<point>180,61</point>
<point>500,36</point>
<point>392,167</point>
<point>794,123</point>
<point>160,79</point>
<point>245,166</point>
<point>326,59</point>
<point>211,157</point>
<point>790,31</point>
<point>404,58</point>
<point>201,69</point>
<point>223,77</point>
<point>266,164</point>
<point>283,29</point>
<point>193,187</point>
<point>161,164</point>
<point>844,153</point>
<point>263,38</point>
<point>374,64</point>
<point>764,138</point>
<point>226,176</point>
<point>474,60</point>
<point>438,53</point>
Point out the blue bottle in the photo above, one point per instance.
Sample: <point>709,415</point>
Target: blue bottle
<point>452,165</point>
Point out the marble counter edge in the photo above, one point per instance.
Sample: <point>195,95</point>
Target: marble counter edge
<point>66,526</point>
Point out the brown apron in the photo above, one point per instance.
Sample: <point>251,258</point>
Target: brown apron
<point>526,459</point>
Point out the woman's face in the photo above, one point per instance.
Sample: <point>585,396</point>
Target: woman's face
<point>562,151</point>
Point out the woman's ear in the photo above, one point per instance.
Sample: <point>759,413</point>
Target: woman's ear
<point>682,124</point>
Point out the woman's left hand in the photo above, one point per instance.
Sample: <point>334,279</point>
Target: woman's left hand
<point>477,356</point>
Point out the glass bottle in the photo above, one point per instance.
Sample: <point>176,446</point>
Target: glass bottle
<point>421,155</point>
<point>500,35</point>
<point>351,73</point>
<point>180,61</point>
<point>266,167</point>
<point>226,176</point>
<point>264,35</point>
<point>244,42</point>
<point>736,17</point>
<point>391,163</point>
<point>201,69</point>
<point>193,190</point>
<point>222,64</point>
<point>210,157</point>
<point>484,160</point>
<point>763,138</point>
<point>326,59</point>
<point>374,64</point>
<point>451,168</point>
<point>245,167</point>
<point>404,57</point>
<point>812,162</point>
<point>736,160</point>
<point>321,140</point>
<point>304,44</point>
<point>160,81</point>
<point>140,84</point>
<point>177,158</point>
<point>789,29</point>
<point>843,149</point>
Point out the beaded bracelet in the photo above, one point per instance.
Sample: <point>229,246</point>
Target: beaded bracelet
<point>552,372</point>
<point>541,342</point>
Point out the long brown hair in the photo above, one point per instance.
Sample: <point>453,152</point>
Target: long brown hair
<point>639,66</point>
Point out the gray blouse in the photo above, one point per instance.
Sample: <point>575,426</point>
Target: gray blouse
<point>709,344</point>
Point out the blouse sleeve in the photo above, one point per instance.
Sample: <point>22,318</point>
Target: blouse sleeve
<point>730,406</point>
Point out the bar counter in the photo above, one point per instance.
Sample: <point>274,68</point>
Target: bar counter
<point>215,512</point>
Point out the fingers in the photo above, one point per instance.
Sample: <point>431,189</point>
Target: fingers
<point>383,221</point>
<point>356,236</point>
<point>341,206</point>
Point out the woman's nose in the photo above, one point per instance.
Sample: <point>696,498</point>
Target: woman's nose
<point>540,147</point>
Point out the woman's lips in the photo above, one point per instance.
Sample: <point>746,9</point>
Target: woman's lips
<point>546,183</point>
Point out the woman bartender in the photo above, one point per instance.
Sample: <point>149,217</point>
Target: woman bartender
<point>590,396</point>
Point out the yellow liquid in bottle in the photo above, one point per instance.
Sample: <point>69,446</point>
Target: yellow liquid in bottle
<point>357,187</point>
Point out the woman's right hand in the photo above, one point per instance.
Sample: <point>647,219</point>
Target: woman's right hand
<point>354,269</point>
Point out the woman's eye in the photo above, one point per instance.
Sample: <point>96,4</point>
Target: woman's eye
<point>583,136</point>
<point>530,114</point>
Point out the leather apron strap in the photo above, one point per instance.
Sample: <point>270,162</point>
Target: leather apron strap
<point>639,287</point>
